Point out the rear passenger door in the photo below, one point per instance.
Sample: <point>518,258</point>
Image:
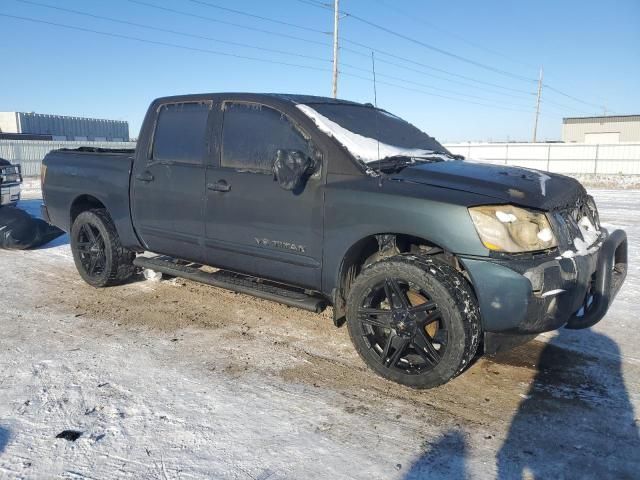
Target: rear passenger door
<point>168,182</point>
<point>252,225</point>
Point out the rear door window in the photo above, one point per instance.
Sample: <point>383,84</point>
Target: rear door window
<point>180,133</point>
<point>253,133</point>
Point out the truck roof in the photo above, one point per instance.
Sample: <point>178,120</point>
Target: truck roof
<point>294,99</point>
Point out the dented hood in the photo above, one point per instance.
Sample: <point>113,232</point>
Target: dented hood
<point>521,186</point>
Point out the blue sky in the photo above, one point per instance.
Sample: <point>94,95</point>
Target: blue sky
<point>590,50</point>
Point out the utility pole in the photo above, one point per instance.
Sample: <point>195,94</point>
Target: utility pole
<point>336,18</point>
<point>535,125</point>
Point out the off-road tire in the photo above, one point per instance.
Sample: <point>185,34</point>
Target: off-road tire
<point>455,300</point>
<point>118,261</point>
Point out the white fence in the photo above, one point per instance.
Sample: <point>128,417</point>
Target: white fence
<point>29,153</point>
<point>568,158</point>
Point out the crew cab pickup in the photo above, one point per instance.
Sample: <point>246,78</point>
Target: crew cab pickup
<point>429,259</point>
<point>10,181</point>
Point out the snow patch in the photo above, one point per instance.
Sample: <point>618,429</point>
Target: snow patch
<point>543,178</point>
<point>552,292</point>
<point>590,236</point>
<point>363,148</point>
<point>506,217</point>
<point>545,235</point>
<point>587,244</point>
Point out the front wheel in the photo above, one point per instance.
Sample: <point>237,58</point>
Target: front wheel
<point>414,320</point>
<point>99,256</point>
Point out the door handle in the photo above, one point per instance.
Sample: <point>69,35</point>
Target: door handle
<point>219,186</point>
<point>144,177</point>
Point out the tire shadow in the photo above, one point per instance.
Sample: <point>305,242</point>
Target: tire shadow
<point>576,420</point>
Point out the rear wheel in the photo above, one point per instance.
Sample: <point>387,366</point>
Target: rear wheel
<point>414,320</point>
<point>99,256</point>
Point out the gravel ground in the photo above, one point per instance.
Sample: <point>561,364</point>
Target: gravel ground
<point>173,379</point>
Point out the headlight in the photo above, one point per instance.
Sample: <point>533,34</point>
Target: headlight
<point>505,228</point>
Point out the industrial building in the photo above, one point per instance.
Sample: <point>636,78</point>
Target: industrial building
<point>603,130</point>
<point>58,127</point>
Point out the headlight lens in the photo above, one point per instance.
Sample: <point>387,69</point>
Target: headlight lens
<point>505,228</point>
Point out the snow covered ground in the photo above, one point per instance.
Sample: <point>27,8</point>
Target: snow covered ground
<point>177,380</point>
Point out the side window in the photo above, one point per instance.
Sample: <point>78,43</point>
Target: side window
<point>253,133</point>
<point>180,133</point>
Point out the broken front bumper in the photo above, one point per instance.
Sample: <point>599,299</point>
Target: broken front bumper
<point>524,297</point>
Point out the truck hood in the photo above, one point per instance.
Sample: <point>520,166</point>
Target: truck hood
<point>517,185</point>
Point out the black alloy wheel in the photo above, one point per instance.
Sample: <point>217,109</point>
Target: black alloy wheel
<point>99,256</point>
<point>91,249</point>
<point>403,326</point>
<point>414,320</point>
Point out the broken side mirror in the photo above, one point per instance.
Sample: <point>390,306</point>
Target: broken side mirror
<point>292,168</point>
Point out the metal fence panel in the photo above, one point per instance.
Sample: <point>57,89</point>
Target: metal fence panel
<point>30,153</point>
<point>567,158</point>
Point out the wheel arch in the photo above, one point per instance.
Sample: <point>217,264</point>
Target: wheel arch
<point>374,247</point>
<point>82,203</point>
<point>121,218</point>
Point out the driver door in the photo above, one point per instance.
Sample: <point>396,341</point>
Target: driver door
<point>252,225</point>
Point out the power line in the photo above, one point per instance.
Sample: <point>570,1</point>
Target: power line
<point>449,32</point>
<point>174,32</point>
<point>224,22</point>
<point>402,87</point>
<point>383,52</point>
<point>244,45</point>
<point>243,57</point>
<point>440,50</point>
<point>294,25</point>
<point>460,82</point>
<point>164,44</point>
<point>346,49</point>
<point>423,85</point>
<point>319,4</point>
<point>259,17</point>
<point>432,47</point>
<point>572,97</point>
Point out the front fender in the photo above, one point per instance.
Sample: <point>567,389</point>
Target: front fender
<point>357,209</point>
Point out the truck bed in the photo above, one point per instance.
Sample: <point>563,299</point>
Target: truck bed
<point>88,174</point>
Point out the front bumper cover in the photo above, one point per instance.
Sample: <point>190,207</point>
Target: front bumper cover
<point>531,295</point>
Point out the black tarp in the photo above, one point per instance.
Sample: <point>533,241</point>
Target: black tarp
<point>21,231</point>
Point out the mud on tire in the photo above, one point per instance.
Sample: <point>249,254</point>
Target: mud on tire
<point>99,256</point>
<point>414,320</point>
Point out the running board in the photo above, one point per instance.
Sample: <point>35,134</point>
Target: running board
<point>294,297</point>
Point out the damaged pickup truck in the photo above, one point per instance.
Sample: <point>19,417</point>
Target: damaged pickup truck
<point>312,201</point>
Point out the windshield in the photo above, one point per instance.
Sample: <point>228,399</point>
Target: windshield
<point>371,134</point>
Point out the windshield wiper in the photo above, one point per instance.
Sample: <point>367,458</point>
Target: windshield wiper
<point>392,163</point>
<point>395,163</point>
<point>437,156</point>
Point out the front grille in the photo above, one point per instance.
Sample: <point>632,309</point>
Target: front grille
<point>567,221</point>
<point>10,174</point>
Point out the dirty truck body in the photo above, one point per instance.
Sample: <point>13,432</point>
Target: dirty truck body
<point>427,257</point>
